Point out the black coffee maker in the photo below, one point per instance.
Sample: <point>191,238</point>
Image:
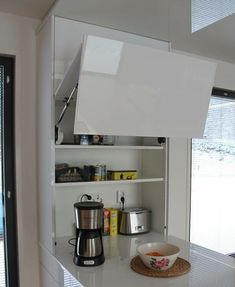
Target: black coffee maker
<point>89,245</point>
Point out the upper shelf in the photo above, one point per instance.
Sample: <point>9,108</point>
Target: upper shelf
<point>109,147</point>
<point>106,182</point>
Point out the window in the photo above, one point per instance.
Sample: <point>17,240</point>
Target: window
<point>204,13</point>
<point>213,178</point>
<point>8,228</point>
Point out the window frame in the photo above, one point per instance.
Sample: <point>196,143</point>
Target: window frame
<point>8,173</point>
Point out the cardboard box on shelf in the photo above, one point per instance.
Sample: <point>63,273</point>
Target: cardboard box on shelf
<point>122,174</point>
<point>113,221</point>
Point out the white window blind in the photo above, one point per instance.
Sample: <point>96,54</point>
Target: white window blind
<point>206,12</point>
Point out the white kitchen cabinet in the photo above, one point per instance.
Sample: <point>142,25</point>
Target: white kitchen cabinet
<point>58,42</point>
<point>130,85</point>
<point>69,36</point>
<point>142,154</point>
<point>55,201</point>
<point>129,89</point>
<point>148,160</point>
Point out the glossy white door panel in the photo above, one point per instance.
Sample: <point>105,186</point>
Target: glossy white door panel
<point>126,89</point>
<point>70,79</point>
<point>69,36</point>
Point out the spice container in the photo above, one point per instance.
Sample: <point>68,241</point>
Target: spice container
<point>98,171</point>
<point>103,172</point>
<point>113,221</point>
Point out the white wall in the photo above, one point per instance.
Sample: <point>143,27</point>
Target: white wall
<point>148,18</point>
<point>17,38</point>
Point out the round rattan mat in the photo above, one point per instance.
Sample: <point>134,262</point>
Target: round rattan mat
<point>180,267</point>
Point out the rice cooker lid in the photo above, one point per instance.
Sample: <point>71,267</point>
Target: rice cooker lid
<point>88,205</point>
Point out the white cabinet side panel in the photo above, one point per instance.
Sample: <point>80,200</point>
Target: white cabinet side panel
<point>153,198</point>
<point>46,279</point>
<point>153,194</point>
<point>179,188</point>
<point>45,133</point>
<point>51,265</point>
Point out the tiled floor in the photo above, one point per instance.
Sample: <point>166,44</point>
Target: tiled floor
<point>2,264</point>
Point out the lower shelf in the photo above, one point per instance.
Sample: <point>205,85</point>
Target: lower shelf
<point>140,180</point>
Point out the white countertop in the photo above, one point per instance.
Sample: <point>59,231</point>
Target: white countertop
<point>208,268</point>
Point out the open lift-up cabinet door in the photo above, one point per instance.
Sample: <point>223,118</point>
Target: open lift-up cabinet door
<point>126,89</point>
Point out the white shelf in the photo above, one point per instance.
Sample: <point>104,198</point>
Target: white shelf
<point>82,183</point>
<point>107,147</point>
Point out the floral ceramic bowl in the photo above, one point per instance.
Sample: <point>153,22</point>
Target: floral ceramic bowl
<point>158,256</point>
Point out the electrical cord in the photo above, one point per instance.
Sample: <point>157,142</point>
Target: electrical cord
<point>122,199</point>
<point>89,197</point>
<point>69,241</point>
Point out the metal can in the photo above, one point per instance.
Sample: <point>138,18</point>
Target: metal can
<point>84,140</point>
<point>98,172</point>
<point>103,172</point>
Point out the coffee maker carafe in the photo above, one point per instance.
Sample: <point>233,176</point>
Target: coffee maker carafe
<point>89,245</point>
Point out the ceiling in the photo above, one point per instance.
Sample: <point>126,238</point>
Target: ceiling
<point>161,19</point>
<point>215,41</point>
<point>28,8</point>
<point>148,17</point>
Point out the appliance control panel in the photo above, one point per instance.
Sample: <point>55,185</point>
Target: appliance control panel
<point>89,262</point>
<point>139,228</point>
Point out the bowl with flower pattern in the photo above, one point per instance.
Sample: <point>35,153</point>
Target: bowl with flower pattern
<point>158,256</point>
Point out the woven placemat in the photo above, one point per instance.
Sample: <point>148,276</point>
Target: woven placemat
<point>180,267</point>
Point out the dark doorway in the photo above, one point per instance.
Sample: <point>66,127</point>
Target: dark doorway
<point>8,226</point>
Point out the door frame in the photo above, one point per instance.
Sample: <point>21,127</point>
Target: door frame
<point>8,174</point>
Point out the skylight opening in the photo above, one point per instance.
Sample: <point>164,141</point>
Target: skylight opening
<point>207,12</point>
